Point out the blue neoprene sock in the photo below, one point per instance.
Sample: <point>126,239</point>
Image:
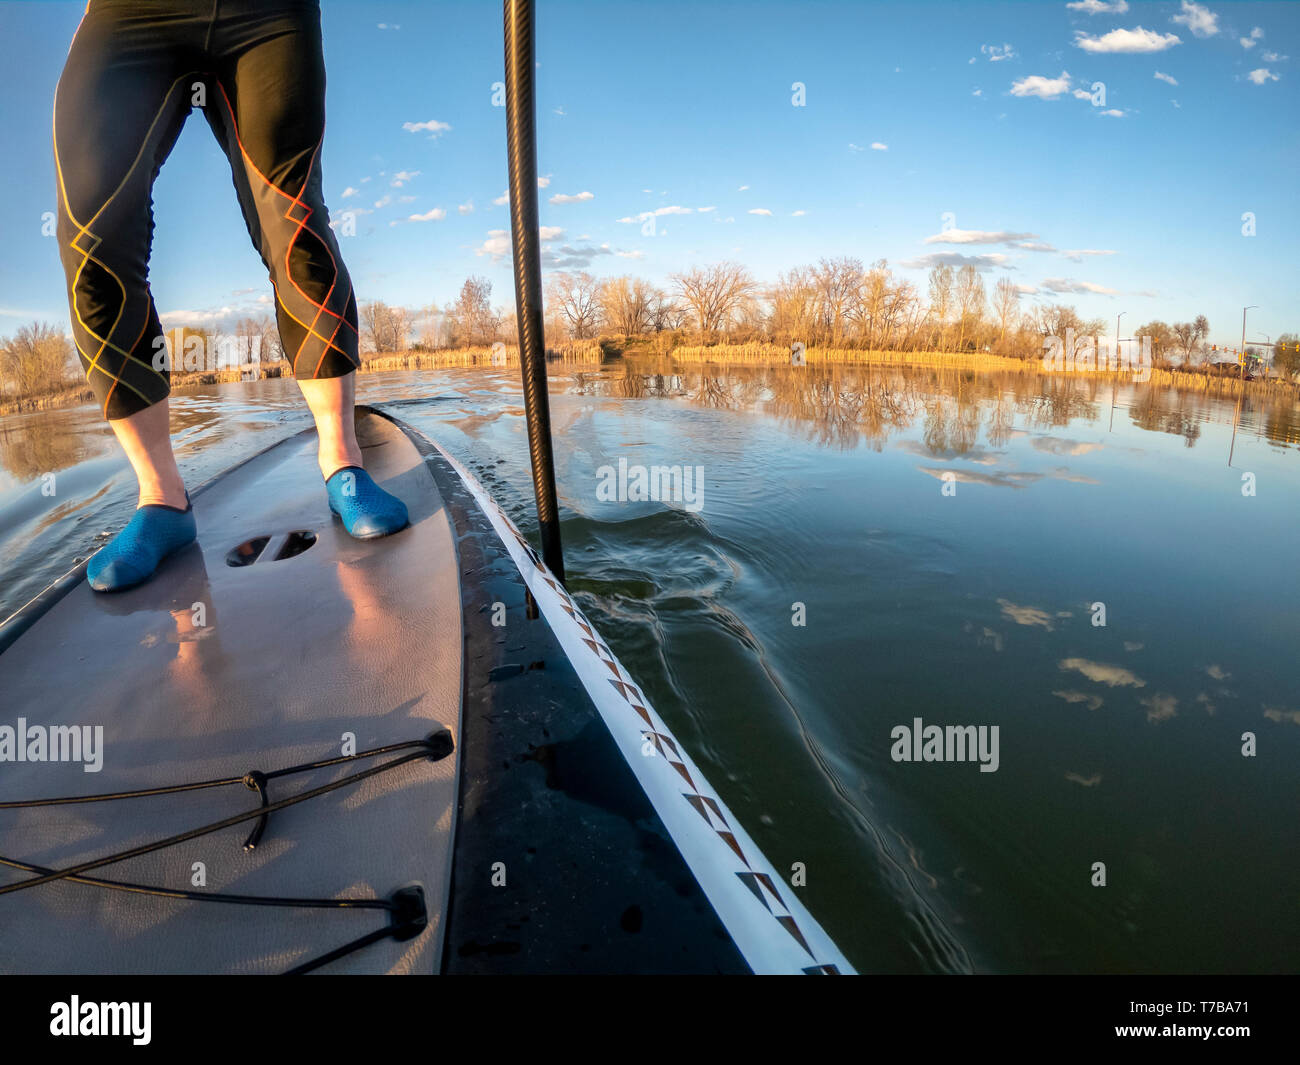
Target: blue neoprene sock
<point>366,509</point>
<point>132,556</point>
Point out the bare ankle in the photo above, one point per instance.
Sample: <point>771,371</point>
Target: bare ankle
<point>167,496</point>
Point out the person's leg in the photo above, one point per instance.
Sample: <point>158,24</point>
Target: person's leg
<point>121,100</point>
<point>331,401</point>
<point>146,439</point>
<point>268,112</point>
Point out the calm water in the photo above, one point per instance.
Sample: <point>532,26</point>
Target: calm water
<point>961,600</point>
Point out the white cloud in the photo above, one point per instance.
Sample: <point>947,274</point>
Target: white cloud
<point>1200,20</point>
<point>954,258</point>
<point>194,318</point>
<point>997,53</point>
<point>503,199</point>
<point>349,191</point>
<point>1166,77</point>
<point>1033,245</point>
<point>978,92</point>
<point>496,245</point>
<point>579,197</point>
<point>433,126</point>
<point>743,188</point>
<point>1114,113</point>
<point>1077,254</point>
<point>466,208</point>
<point>856,147</point>
<point>877,146</point>
<point>1253,39</point>
<point>759,210</point>
<point>402,177</point>
<point>656,212</point>
<point>1027,290</point>
<point>978,236</point>
<point>1273,57</point>
<point>1043,88</point>
<point>389,26</point>
<point>384,201</point>
<point>558,110</point>
<point>630,254</point>
<point>1099,7</point>
<point>436,215</point>
<point>1262,75</point>
<point>1081,94</point>
<point>1128,42</point>
<point>1066,284</point>
<point>797,214</point>
<point>543,182</point>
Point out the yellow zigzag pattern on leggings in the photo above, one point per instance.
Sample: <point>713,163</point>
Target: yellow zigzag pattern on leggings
<point>268,193</point>
<point>83,230</point>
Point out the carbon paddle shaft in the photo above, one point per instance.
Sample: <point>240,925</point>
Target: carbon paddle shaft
<point>521,137</point>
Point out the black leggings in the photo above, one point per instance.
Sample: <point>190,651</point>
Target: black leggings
<point>134,71</point>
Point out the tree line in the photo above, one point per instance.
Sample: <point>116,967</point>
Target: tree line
<point>836,302</point>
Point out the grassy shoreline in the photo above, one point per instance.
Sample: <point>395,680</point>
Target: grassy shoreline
<point>592,353</point>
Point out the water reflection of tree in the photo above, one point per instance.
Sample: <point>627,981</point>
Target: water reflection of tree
<point>846,405</point>
<point>1059,400</point>
<point>1164,411</point>
<point>39,445</point>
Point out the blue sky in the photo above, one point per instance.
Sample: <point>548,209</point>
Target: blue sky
<point>929,129</point>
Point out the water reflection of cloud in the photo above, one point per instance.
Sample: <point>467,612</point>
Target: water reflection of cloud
<point>1102,673</point>
<point>1063,473</point>
<point>975,455</point>
<point>1072,696</point>
<point>1160,707</point>
<point>1025,615</point>
<point>1204,700</point>
<point>998,480</point>
<point>1130,645</point>
<point>1217,672</point>
<point>1059,445</point>
<point>1280,714</point>
<point>1087,782</point>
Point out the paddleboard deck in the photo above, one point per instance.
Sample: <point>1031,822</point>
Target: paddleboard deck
<point>213,670</point>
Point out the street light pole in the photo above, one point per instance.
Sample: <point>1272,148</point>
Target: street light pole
<point>1242,363</point>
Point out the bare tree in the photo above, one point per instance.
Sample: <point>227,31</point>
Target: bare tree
<point>1006,301</point>
<point>714,292</point>
<point>838,283</point>
<point>576,298</point>
<point>385,328</point>
<point>941,297</point>
<point>665,312</point>
<point>793,302</point>
<point>474,321</point>
<point>37,360</point>
<point>1190,336</point>
<point>625,304</point>
<point>873,301</point>
<point>970,303</point>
